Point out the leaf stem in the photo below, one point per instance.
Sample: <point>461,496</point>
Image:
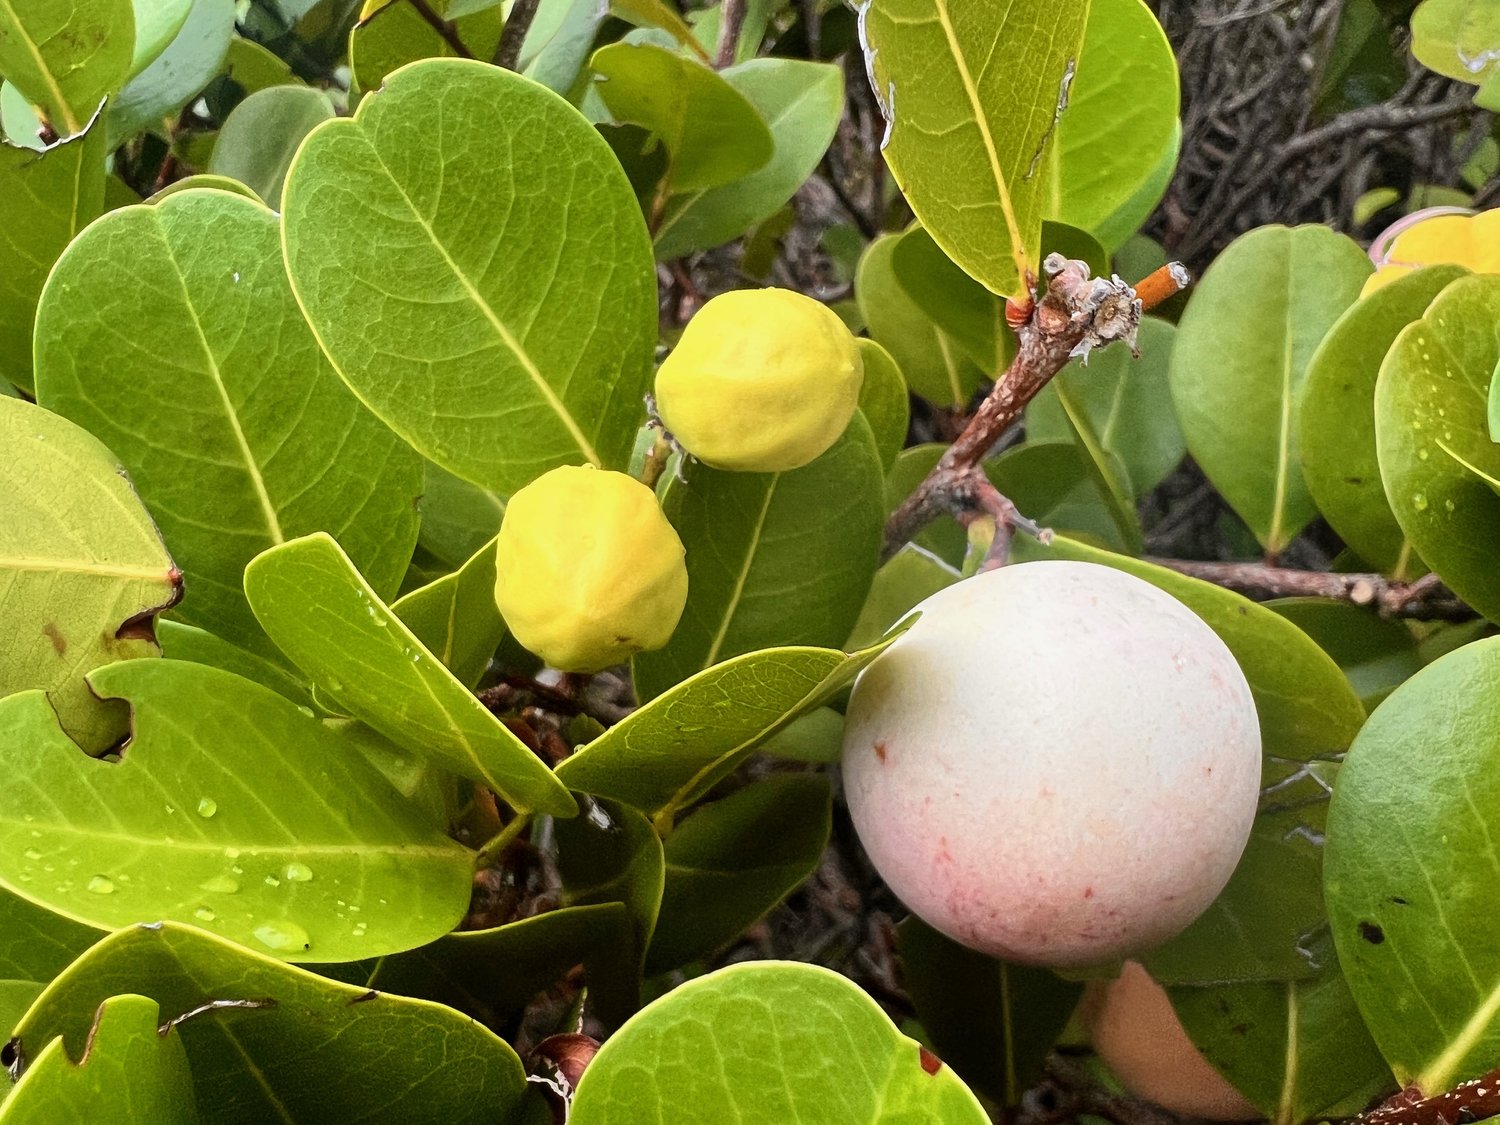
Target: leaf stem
<point>496,847</point>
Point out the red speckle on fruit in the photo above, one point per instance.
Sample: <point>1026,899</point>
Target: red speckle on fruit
<point>1088,892</point>
<point>1208,771</point>
<point>943,854</point>
<point>930,1062</point>
<point>880,749</point>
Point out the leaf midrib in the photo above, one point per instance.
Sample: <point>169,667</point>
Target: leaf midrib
<point>69,119</point>
<point>72,566</point>
<point>731,605</point>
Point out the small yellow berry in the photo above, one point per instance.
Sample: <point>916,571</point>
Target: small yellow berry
<point>588,571</point>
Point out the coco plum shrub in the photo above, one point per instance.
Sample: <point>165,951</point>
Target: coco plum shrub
<point>1057,764</point>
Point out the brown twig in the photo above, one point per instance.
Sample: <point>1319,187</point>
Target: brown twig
<point>446,30</point>
<point>732,14</point>
<point>513,38</point>
<point>1426,599</point>
<point>1474,1100</point>
<point>1076,314</point>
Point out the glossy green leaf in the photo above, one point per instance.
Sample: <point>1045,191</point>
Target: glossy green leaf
<point>560,57</point>
<point>36,944</point>
<point>1125,90</point>
<point>1103,469</point>
<point>47,199</point>
<point>157,23</point>
<point>816,739</point>
<point>713,133</point>
<point>773,558</point>
<point>993,1023</point>
<point>67,55</point>
<point>333,626</point>
<point>501,339</point>
<point>185,642</point>
<point>1458,38</point>
<point>971,94</point>
<point>968,313</point>
<point>1339,460</point>
<point>1432,434</point>
<point>458,518</point>
<point>763,1044</point>
<point>232,808</point>
<point>82,569</point>
<point>490,974</point>
<point>1411,870</point>
<point>1306,707</point>
<point>934,365</point>
<point>456,618</point>
<point>125,1073</point>
<point>730,862</point>
<point>305,1057</point>
<point>194,57</point>
<point>910,577</point>
<point>252,67</point>
<point>262,441</point>
<point>611,854</point>
<point>391,35</point>
<point>16,996</point>
<point>801,103</point>
<point>1125,401</point>
<point>670,751</point>
<point>1117,230</point>
<point>884,401</point>
<point>659,14</point>
<point>258,141</point>
<point>1375,652</point>
<point>1236,381</point>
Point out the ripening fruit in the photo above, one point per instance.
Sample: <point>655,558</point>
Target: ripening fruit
<point>1435,236</point>
<point>1138,1036</point>
<point>762,381</point>
<point>587,569</point>
<point>1058,764</point>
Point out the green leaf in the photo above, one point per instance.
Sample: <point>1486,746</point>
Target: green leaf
<point>730,862</point>
<point>714,134</point>
<point>126,1073</point>
<point>1411,870</point>
<point>1432,434</point>
<point>884,401</point>
<point>773,558</point>
<point>1243,347</point>
<point>196,55</point>
<point>993,1023</point>
<point>1126,89</point>
<point>766,1043</point>
<point>1457,38</point>
<point>258,141</point>
<point>814,739</point>
<point>801,102</point>
<point>157,23</point>
<point>491,974</point>
<point>36,944</point>
<point>971,94</point>
<point>16,996</point>
<point>396,34</point>
<point>67,55</point>
<point>306,1056</point>
<point>1126,402</point>
<point>185,642</point>
<point>82,569</point>
<point>252,67</point>
<point>1103,469</point>
<point>456,617</point>
<point>1375,652</point>
<point>326,618</point>
<point>934,365</point>
<point>458,518</point>
<point>1297,1049</point>
<point>47,200</point>
<point>1115,231</point>
<point>262,441</point>
<point>611,854</point>
<point>231,807</point>
<point>660,14</point>
<point>670,751</point>
<point>501,339</point>
<point>910,577</point>
<point>559,58</point>
<point>1307,708</point>
<point>1339,460</point>
<point>968,313</point>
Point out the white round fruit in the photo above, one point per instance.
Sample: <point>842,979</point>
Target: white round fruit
<point>1058,764</point>
<point>1139,1037</point>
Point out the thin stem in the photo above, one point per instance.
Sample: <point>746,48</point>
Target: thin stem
<point>513,38</point>
<point>492,851</point>
<point>732,14</point>
<point>1426,599</point>
<point>446,30</point>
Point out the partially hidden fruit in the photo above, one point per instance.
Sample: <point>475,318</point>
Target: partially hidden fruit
<point>587,570</point>
<point>1057,764</point>
<point>1138,1036</point>
<point>1436,236</point>
<point>762,381</point>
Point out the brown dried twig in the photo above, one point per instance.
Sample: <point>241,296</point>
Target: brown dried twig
<point>1426,599</point>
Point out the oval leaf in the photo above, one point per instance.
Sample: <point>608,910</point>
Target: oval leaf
<point>498,309</point>
<point>67,55</point>
<point>259,139</point>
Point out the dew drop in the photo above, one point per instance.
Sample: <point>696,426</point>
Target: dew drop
<point>207,806</point>
<point>204,914</point>
<point>231,853</point>
<point>272,881</point>
<point>1422,454</point>
<point>282,936</point>
<point>297,873</point>
<point>380,621</point>
<point>32,854</point>
<point>101,885</point>
<point>221,884</point>
<point>1448,505</point>
<point>1419,502</point>
<point>308,711</point>
<point>359,929</point>
<point>170,809</point>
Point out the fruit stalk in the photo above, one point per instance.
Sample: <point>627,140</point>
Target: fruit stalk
<point>1076,314</point>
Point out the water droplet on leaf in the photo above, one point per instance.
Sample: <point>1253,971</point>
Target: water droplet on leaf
<point>101,885</point>
<point>283,937</point>
<point>204,914</point>
<point>298,873</point>
<point>207,806</point>
<point>1419,502</point>
<point>221,884</point>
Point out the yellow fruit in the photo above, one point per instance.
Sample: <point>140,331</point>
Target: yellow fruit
<point>1440,238</point>
<point>587,570</point>
<point>762,381</point>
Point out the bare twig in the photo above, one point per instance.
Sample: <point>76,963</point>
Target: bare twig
<point>513,38</point>
<point>1077,313</point>
<point>1426,599</point>
<point>1474,1100</point>
<point>732,15</point>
